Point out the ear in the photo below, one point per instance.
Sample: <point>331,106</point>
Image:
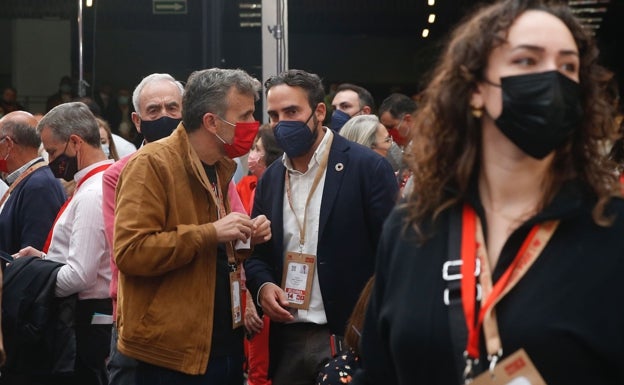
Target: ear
<point>366,110</point>
<point>75,142</point>
<point>320,112</point>
<point>136,120</point>
<point>209,121</point>
<point>476,99</point>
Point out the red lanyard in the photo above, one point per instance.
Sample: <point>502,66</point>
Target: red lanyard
<point>529,252</point>
<point>96,170</point>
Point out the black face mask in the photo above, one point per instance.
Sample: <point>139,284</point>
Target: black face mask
<point>162,127</point>
<point>540,111</point>
<point>64,166</point>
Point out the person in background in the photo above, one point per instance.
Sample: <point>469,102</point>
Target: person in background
<point>369,132</point>
<point>514,225</point>
<point>121,119</point>
<point>396,112</point>
<point>64,94</point>
<point>157,100</point>
<point>158,103</point>
<point>327,201</point>
<point>175,233</point>
<point>350,100</point>
<point>28,209</point>
<point>71,137</point>
<point>264,152</point>
<point>122,146</point>
<point>106,102</point>
<point>8,102</point>
<point>106,139</point>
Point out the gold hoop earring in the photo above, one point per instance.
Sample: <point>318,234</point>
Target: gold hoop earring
<point>476,112</point>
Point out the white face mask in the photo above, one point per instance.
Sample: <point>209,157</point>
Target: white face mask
<point>106,149</point>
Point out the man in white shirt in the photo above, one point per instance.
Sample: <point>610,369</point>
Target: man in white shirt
<point>71,137</point>
<point>327,201</point>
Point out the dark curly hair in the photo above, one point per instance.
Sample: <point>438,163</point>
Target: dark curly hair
<point>445,147</point>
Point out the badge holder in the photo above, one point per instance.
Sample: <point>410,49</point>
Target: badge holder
<point>297,279</point>
<point>235,290</point>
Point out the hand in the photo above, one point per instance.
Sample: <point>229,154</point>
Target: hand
<point>261,230</point>
<point>253,323</point>
<point>233,227</point>
<point>274,303</point>
<point>28,251</point>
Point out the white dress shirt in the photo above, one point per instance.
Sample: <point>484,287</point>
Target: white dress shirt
<point>79,241</point>
<point>300,187</point>
<point>3,189</point>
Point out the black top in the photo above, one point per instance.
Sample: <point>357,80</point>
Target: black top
<point>225,340</point>
<point>566,312</point>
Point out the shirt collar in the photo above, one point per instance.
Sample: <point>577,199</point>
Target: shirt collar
<point>81,174</point>
<point>318,153</point>
<point>12,177</point>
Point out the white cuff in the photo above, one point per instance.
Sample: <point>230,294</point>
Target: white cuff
<point>260,290</point>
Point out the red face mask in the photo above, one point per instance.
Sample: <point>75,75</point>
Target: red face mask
<point>4,167</point>
<point>244,135</point>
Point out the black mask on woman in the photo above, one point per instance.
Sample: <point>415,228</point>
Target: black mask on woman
<point>540,111</point>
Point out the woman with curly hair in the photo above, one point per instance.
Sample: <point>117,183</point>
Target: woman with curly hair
<point>510,246</point>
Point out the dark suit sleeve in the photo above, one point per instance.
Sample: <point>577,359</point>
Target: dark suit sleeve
<point>260,266</point>
<point>41,202</point>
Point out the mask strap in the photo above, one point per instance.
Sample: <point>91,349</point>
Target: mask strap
<point>221,139</point>
<point>225,121</point>
<point>488,81</point>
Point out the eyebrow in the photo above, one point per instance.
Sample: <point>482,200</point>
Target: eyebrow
<point>531,47</point>
<point>290,107</point>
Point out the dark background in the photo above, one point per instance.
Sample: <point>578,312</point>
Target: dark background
<point>374,43</point>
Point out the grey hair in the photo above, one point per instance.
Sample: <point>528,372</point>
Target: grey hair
<point>72,118</point>
<point>22,134</point>
<point>152,79</point>
<point>361,129</point>
<point>206,91</point>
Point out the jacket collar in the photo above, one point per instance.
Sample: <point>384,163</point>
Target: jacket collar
<point>225,166</point>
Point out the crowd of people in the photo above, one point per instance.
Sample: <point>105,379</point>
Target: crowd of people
<point>472,236</point>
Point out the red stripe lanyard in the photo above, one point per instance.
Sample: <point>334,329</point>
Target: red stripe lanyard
<point>96,170</point>
<point>473,247</point>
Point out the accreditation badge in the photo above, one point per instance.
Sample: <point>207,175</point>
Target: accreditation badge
<point>517,369</point>
<point>235,290</point>
<point>297,278</point>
